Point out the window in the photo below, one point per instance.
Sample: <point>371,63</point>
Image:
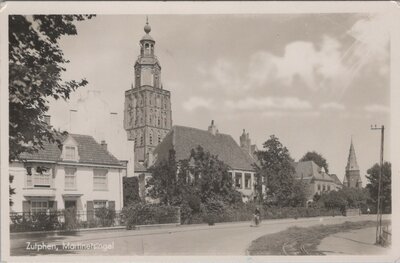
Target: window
<point>151,138</point>
<point>70,178</point>
<point>39,206</point>
<point>141,140</point>
<point>97,204</point>
<point>100,179</point>
<point>159,138</point>
<point>247,180</point>
<point>238,180</point>
<point>42,177</point>
<point>329,187</point>
<point>323,188</point>
<point>319,187</point>
<point>70,153</point>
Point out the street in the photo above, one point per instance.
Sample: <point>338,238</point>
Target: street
<point>221,239</point>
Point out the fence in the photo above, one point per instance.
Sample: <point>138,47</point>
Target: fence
<point>72,219</point>
<point>64,220</point>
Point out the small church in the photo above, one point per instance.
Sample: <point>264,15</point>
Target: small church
<point>352,177</point>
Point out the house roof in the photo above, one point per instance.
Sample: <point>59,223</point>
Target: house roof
<point>184,139</point>
<point>89,151</point>
<point>310,169</point>
<point>336,179</point>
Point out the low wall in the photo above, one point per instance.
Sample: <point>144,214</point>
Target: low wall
<point>353,212</point>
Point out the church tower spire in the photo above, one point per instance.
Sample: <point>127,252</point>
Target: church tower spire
<point>148,116</point>
<point>352,177</point>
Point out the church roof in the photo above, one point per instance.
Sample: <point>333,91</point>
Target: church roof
<point>184,139</point>
<point>352,160</point>
<point>89,151</point>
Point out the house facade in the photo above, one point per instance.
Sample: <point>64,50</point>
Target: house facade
<point>316,178</point>
<point>81,174</point>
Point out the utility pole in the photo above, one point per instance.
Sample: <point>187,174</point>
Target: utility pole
<point>379,205</point>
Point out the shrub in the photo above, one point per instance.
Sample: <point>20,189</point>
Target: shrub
<point>146,214</point>
<point>106,216</point>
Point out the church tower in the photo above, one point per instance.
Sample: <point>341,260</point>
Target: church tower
<point>147,116</point>
<point>352,178</point>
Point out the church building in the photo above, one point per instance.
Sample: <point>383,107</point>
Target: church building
<point>147,116</point>
<point>352,177</point>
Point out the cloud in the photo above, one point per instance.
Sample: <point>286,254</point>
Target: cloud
<point>301,60</point>
<point>372,33</point>
<point>194,103</point>
<point>332,106</point>
<point>376,108</point>
<point>266,103</point>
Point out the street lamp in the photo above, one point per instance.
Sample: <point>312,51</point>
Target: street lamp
<point>379,206</point>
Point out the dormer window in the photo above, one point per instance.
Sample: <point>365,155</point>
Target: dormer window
<point>70,152</point>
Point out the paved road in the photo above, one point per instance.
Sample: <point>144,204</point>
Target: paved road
<point>221,239</point>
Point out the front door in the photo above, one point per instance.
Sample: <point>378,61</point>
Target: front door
<point>70,214</point>
<point>70,204</point>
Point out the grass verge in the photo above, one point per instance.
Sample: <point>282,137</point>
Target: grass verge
<point>302,240</point>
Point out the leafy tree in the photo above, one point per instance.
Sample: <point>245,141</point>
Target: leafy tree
<point>355,198</point>
<point>317,158</point>
<point>299,194</point>
<point>192,181</point>
<point>277,171</point>
<point>210,175</point>
<point>36,63</point>
<point>333,200</point>
<point>131,190</point>
<point>386,185</point>
<point>164,181</point>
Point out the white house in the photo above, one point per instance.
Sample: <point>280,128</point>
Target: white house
<point>81,174</point>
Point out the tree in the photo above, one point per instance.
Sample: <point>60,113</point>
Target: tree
<point>277,171</point>
<point>196,179</point>
<point>131,190</point>
<point>386,185</point>
<point>317,158</point>
<point>299,194</point>
<point>36,63</point>
<point>164,181</point>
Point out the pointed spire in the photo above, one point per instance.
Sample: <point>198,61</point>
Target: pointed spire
<point>352,160</point>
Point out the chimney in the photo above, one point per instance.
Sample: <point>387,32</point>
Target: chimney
<point>103,145</point>
<point>212,128</point>
<point>47,119</point>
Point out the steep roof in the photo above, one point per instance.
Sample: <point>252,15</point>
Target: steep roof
<point>89,151</point>
<point>352,159</point>
<point>309,169</point>
<point>335,179</point>
<point>184,139</point>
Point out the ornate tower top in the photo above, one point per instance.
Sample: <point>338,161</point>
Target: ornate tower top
<point>147,27</point>
<point>352,160</point>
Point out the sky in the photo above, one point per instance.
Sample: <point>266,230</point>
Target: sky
<point>313,80</point>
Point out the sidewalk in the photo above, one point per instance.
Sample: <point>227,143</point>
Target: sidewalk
<point>355,242</point>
